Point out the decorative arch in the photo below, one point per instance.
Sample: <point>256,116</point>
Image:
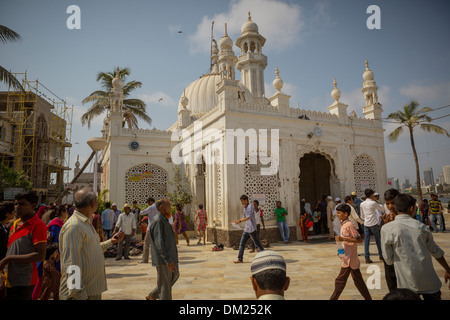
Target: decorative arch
<point>364,174</point>
<point>143,181</point>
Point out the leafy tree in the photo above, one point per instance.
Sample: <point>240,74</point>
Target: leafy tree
<point>9,178</point>
<point>182,193</point>
<point>132,108</point>
<point>410,118</point>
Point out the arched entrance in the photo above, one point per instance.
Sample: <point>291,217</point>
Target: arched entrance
<point>315,174</point>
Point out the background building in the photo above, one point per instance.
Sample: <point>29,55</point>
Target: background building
<point>446,172</point>
<point>35,135</point>
<point>428,177</point>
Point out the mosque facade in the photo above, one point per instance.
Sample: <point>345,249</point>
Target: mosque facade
<point>229,140</point>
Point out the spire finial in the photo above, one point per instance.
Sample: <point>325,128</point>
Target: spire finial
<point>277,73</point>
<point>367,65</point>
<point>226,34</point>
<point>117,72</point>
<point>249,16</point>
<point>334,83</point>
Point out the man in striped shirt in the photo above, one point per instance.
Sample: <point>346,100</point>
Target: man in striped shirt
<point>83,273</point>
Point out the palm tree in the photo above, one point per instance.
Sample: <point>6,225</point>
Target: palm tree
<point>409,118</point>
<point>133,108</point>
<point>8,35</point>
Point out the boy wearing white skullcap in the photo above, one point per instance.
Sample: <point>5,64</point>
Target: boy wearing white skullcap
<point>268,277</point>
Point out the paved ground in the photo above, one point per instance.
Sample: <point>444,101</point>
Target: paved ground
<point>212,275</point>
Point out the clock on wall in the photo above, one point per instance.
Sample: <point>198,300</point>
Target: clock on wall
<point>133,145</point>
<point>318,131</point>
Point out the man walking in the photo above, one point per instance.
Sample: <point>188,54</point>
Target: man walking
<point>82,252</point>
<point>369,215</point>
<point>435,213</point>
<point>249,229</point>
<point>164,253</point>
<point>127,224</point>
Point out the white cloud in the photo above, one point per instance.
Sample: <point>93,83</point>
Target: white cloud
<point>280,22</point>
<point>425,94</point>
<point>159,98</point>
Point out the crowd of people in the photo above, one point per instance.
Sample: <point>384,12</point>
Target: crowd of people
<point>37,242</point>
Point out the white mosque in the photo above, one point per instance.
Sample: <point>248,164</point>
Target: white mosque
<point>231,140</point>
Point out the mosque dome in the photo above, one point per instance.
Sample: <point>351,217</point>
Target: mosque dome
<point>202,95</point>
<point>249,26</point>
<point>226,41</point>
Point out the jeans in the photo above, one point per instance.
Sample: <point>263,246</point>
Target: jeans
<point>375,231</point>
<point>244,238</point>
<point>433,218</point>
<point>107,234</point>
<point>284,230</point>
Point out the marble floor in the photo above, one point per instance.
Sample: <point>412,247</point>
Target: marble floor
<point>212,275</point>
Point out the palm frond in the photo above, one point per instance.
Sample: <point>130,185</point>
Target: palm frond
<point>95,96</point>
<point>140,114</point>
<point>95,110</point>
<point>8,35</point>
<point>130,86</point>
<point>393,136</point>
<point>8,78</point>
<point>434,128</point>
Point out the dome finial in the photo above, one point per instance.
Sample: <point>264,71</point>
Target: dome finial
<point>249,16</point>
<point>367,65</point>
<point>277,83</point>
<point>226,34</point>
<point>336,93</point>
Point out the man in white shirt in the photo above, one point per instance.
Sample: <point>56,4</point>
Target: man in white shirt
<point>127,224</point>
<point>369,215</point>
<point>150,212</point>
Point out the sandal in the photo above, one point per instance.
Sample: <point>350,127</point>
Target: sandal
<point>149,297</point>
<point>238,261</point>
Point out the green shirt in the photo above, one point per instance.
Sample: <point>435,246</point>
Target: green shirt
<point>278,213</point>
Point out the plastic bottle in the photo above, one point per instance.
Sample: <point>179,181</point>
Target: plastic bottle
<point>340,249</point>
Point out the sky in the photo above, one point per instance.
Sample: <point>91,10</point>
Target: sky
<point>311,42</point>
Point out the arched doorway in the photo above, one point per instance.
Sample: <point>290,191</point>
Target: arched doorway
<point>315,174</point>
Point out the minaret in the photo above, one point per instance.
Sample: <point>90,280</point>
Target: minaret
<point>227,60</point>
<point>251,62</point>
<point>116,104</point>
<point>373,109</point>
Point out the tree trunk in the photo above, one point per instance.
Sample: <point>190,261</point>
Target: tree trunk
<point>416,160</point>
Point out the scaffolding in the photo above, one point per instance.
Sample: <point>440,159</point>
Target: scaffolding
<point>37,130</point>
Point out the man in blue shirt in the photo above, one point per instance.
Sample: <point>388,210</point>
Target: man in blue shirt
<point>249,229</point>
<point>107,220</point>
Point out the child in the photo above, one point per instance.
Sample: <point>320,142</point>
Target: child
<point>409,245</point>
<point>51,275</point>
<point>202,222</point>
<point>387,217</point>
<point>350,262</point>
